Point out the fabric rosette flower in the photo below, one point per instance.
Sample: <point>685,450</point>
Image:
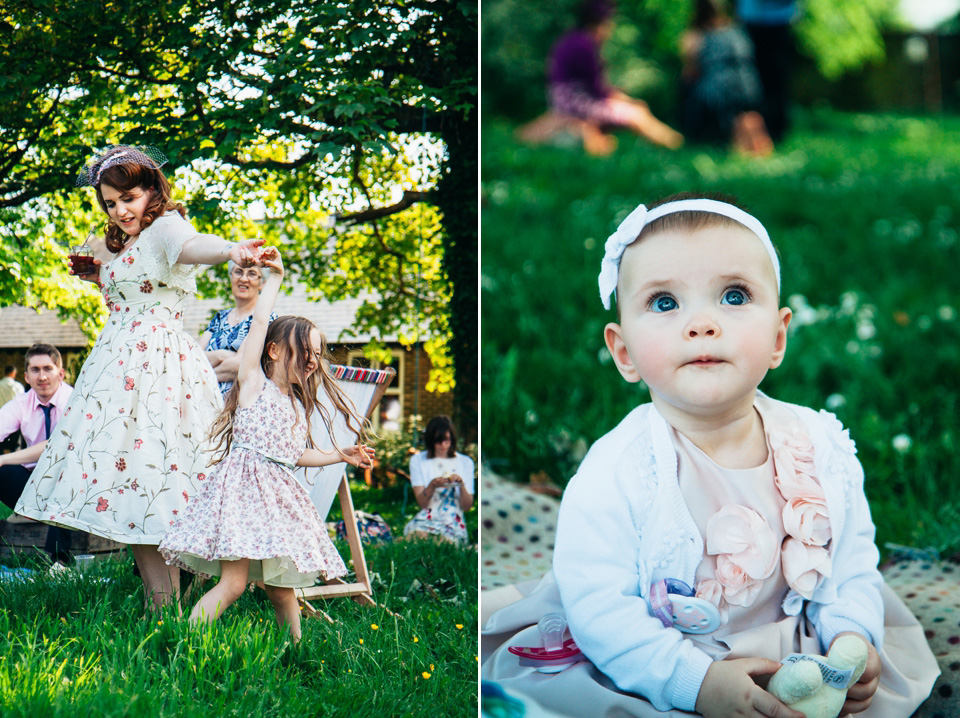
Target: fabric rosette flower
<point>795,468</point>
<point>805,518</point>
<point>710,590</point>
<point>746,550</point>
<point>804,565</point>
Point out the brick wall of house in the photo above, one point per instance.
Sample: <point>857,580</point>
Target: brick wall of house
<point>416,399</point>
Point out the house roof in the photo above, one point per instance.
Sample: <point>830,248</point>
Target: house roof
<point>21,326</point>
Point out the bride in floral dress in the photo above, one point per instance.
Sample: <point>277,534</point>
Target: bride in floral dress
<point>131,447</point>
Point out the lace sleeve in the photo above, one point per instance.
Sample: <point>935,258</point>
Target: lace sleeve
<point>166,237</point>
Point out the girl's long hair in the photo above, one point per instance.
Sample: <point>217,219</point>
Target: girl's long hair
<point>291,335</point>
<point>126,177</point>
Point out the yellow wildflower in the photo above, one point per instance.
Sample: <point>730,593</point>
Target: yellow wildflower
<point>361,641</point>
<point>415,639</point>
<point>425,675</point>
<point>374,626</point>
<point>459,626</point>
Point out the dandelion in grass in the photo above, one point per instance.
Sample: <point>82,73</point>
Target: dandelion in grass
<point>361,641</point>
<point>416,640</point>
<point>902,443</point>
<point>459,626</point>
<point>374,626</point>
<point>836,401</point>
<point>425,675</point>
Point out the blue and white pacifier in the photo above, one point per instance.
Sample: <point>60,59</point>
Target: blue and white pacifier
<point>675,604</point>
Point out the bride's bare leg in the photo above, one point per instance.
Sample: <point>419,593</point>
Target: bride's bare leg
<point>161,583</point>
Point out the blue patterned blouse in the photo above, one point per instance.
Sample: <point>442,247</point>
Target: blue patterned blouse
<point>224,335</point>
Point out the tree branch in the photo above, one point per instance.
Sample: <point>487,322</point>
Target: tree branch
<point>368,215</point>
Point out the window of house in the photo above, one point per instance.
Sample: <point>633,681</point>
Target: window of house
<point>389,413</point>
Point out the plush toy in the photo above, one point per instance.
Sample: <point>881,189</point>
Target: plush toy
<point>817,686</point>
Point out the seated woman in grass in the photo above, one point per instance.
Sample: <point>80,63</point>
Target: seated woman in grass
<point>442,482</point>
<point>581,97</point>
<point>712,501</point>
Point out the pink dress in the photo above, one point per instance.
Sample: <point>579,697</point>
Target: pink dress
<point>251,505</point>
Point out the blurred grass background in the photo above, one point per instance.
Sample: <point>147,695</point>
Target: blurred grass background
<point>865,212</point>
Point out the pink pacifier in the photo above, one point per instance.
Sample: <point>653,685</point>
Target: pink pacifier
<point>556,653</point>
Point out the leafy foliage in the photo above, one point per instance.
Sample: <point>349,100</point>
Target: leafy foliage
<point>304,108</point>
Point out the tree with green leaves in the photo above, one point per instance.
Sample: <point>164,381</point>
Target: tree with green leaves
<point>304,109</point>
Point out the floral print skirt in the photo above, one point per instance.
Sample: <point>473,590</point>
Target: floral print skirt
<point>442,517</point>
<point>251,507</point>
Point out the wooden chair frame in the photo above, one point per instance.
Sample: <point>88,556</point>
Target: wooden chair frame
<point>360,589</point>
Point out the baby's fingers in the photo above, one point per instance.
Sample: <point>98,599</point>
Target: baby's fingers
<point>768,705</point>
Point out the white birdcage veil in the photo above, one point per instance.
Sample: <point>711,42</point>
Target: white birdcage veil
<point>114,155</point>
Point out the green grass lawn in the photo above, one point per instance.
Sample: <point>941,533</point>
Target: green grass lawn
<point>74,645</point>
<point>865,210</point>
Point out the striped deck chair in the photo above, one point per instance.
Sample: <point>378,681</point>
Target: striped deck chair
<point>365,387</point>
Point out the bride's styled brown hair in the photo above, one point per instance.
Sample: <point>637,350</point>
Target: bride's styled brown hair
<point>127,176</point>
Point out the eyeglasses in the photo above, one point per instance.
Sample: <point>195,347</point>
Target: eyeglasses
<point>240,273</point>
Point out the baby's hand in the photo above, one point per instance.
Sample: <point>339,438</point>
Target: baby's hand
<point>860,694</point>
<point>270,257</point>
<point>728,691</point>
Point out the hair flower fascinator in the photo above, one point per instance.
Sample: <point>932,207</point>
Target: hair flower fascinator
<point>114,155</point>
<point>630,229</point>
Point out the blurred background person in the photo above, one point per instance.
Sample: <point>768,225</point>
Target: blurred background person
<point>768,23</point>
<point>442,482</point>
<point>580,96</point>
<point>721,92</point>
<point>9,388</point>
<point>222,338</point>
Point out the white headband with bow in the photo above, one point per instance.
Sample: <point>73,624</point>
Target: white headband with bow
<point>630,229</point>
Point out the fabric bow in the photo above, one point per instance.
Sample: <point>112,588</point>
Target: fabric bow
<point>616,243</point>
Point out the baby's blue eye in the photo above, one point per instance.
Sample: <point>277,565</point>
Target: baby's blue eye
<point>735,297</point>
<point>663,303</point>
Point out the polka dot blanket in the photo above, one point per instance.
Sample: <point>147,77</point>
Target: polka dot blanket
<point>516,539</point>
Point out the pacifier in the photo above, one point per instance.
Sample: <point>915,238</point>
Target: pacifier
<point>675,604</point>
<point>556,653</point>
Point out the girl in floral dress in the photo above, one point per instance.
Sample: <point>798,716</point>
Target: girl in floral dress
<point>715,530</point>
<point>252,520</point>
<point>129,449</point>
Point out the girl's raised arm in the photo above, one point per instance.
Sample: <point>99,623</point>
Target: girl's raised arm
<point>249,375</point>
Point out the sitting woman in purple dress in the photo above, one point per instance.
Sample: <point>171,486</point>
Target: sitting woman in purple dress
<point>578,87</point>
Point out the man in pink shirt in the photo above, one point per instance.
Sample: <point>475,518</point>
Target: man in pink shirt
<point>34,413</point>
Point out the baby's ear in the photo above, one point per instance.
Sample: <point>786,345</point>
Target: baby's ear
<point>613,336</point>
<point>780,345</point>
